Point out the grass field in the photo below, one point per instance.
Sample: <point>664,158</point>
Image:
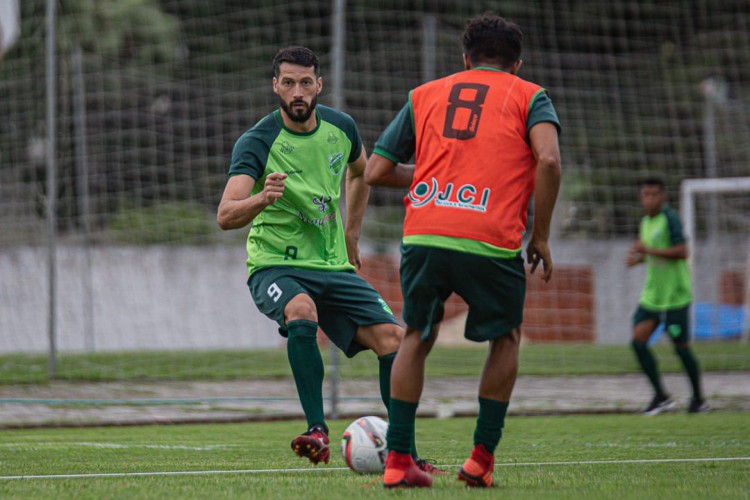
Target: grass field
<point>624,456</point>
<point>536,359</point>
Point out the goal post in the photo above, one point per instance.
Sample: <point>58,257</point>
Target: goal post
<point>689,190</point>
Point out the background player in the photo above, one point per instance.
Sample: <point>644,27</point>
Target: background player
<point>485,141</point>
<point>666,295</point>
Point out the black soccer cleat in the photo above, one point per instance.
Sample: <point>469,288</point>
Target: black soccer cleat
<point>659,404</point>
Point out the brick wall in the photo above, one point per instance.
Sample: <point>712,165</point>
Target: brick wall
<point>732,287</point>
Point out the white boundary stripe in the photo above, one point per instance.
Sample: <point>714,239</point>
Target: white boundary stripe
<point>633,461</point>
<point>332,469</point>
<point>28,445</point>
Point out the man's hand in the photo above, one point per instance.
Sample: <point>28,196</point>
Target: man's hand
<point>352,250</point>
<point>536,252</point>
<point>273,189</point>
<point>639,247</point>
<point>636,254</point>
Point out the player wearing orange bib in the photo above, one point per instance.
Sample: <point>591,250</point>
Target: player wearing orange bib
<point>484,141</point>
<point>462,122</point>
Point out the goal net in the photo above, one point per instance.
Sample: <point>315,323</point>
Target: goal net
<point>152,94</point>
<point>716,214</point>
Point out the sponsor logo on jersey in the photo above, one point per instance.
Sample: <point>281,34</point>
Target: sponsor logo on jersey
<point>320,221</point>
<point>465,197</point>
<point>332,139</point>
<point>656,233</point>
<point>336,162</point>
<point>285,147</point>
<point>322,202</point>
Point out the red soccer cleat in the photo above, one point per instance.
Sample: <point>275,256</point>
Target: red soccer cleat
<point>402,472</point>
<point>478,468</point>
<point>313,444</point>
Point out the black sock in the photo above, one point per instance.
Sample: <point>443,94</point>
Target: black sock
<point>649,366</point>
<point>692,370</point>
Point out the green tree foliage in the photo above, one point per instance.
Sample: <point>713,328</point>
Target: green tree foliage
<point>171,84</point>
<point>137,31</point>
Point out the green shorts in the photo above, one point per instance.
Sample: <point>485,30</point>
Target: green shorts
<point>676,321</point>
<point>343,299</point>
<point>493,288</point>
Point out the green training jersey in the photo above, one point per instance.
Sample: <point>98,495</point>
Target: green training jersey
<point>303,229</point>
<point>667,280</point>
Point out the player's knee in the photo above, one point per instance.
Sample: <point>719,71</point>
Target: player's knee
<point>515,336</point>
<point>301,309</point>
<point>385,338</point>
<point>638,345</point>
<point>681,347</point>
<point>391,337</point>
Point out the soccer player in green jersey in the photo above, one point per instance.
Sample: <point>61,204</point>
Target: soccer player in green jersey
<point>666,295</point>
<point>285,178</point>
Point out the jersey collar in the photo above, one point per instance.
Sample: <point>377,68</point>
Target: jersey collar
<point>280,121</point>
<point>490,68</point>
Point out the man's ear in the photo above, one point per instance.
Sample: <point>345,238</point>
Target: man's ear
<point>467,62</point>
<point>516,66</point>
<point>275,85</point>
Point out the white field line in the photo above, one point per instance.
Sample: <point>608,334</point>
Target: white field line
<point>332,469</point>
<point>61,444</point>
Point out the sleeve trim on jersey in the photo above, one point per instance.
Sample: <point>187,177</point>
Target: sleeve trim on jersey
<point>411,113</point>
<point>385,154</point>
<point>541,110</point>
<point>676,235</point>
<point>534,98</point>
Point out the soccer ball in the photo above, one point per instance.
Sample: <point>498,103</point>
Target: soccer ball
<point>363,445</point>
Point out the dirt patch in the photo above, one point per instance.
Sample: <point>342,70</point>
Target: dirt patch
<point>64,404</point>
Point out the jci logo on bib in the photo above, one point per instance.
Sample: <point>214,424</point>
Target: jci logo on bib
<point>464,197</point>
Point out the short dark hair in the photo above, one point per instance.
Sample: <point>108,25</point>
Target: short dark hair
<point>490,38</point>
<point>296,54</point>
<point>652,181</point>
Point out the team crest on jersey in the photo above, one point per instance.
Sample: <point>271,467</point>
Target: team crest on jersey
<point>336,162</point>
<point>285,147</point>
<point>322,202</point>
<point>385,306</point>
<point>464,197</point>
<point>332,139</point>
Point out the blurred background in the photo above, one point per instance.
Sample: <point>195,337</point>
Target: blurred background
<point>119,118</point>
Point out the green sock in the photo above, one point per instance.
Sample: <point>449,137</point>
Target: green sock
<point>490,423</point>
<point>307,368</point>
<point>386,364</point>
<point>691,368</point>
<point>401,425</point>
<point>648,365</point>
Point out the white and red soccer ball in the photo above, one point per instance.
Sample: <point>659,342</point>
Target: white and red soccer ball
<point>363,445</point>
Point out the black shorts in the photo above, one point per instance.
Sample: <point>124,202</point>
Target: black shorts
<point>344,301</point>
<point>676,321</point>
<point>494,288</point>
